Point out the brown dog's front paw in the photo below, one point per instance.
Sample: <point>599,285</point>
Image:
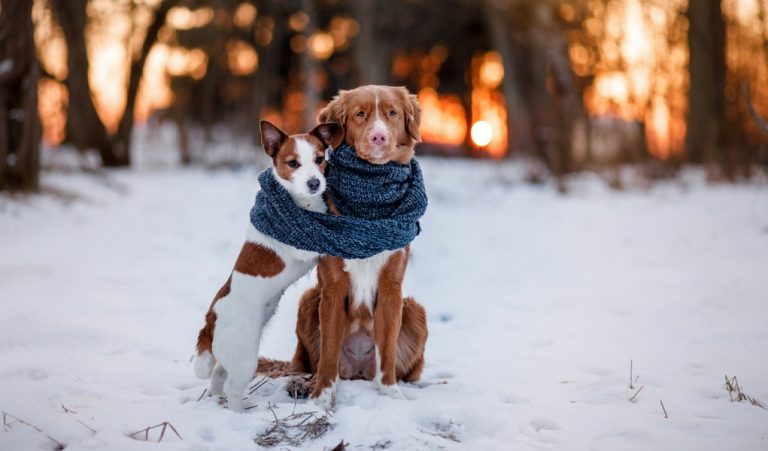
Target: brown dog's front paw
<point>324,396</point>
<point>299,387</point>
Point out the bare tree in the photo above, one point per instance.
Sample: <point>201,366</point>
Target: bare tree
<point>19,119</point>
<point>497,14</point>
<point>707,67</point>
<point>84,127</point>
<point>309,66</point>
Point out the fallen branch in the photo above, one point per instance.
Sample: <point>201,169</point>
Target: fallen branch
<point>7,426</point>
<point>163,427</point>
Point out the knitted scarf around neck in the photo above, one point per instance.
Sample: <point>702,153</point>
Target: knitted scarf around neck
<point>380,206</point>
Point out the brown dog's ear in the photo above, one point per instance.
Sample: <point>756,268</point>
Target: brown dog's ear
<point>413,117</point>
<point>271,138</point>
<point>329,133</point>
<point>335,111</point>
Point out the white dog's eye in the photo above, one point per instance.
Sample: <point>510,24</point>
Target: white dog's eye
<point>319,159</point>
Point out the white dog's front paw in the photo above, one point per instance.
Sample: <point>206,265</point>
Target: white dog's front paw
<point>393,391</point>
<point>327,398</point>
<point>235,404</point>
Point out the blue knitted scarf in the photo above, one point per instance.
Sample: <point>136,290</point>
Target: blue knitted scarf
<point>380,206</point>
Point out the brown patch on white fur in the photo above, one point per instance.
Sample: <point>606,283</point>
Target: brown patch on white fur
<point>205,337</point>
<point>258,261</point>
<point>356,110</point>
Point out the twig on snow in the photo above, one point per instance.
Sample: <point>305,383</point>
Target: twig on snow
<point>163,426</point>
<point>7,426</point>
<point>664,409</point>
<point>733,387</point>
<point>636,393</point>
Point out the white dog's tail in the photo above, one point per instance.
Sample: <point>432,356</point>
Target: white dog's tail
<point>204,365</point>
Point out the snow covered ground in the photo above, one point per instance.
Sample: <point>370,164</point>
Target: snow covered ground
<point>537,303</point>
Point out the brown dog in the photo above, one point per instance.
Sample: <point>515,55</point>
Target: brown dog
<point>355,323</point>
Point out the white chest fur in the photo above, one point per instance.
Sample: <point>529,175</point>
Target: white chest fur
<point>364,277</point>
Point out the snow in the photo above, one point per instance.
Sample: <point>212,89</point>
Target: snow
<point>536,304</point>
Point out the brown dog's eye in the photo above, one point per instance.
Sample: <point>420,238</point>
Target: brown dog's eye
<point>392,113</point>
<point>360,114</point>
<point>319,159</point>
<point>293,164</point>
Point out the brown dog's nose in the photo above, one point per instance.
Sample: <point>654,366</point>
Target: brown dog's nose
<point>378,138</point>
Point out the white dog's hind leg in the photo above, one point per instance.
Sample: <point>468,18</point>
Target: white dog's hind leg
<point>203,364</point>
<point>218,377</point>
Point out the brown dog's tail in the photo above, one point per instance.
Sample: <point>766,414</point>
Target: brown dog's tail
<point>273,368</point>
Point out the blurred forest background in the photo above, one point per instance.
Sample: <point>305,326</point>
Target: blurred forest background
<point>563,85</point>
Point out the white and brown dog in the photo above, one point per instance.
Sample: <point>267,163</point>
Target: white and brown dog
<point>228,344</point>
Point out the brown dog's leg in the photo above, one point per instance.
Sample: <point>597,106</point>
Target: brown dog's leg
<point>307,333</point>
<point>387,320</point>
<point>333,331</point>
<point>411,342</point>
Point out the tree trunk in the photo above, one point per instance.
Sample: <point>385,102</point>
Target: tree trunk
<point>309,65</point>
<point>266,80</point>
<point>556,103</point>
<point>121,142</point>
<point>518,121</point>
<point>84,128</point>
<point>19,120</point>
<point>707,69</point>
<point>367,56</point>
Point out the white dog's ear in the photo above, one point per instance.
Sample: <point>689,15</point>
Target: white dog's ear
<point>272,138</point>
<point>330,134</point>
<point>336,110</point>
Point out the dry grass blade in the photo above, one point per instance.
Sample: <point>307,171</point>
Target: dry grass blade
<point>202,394</point>
<point>294,429</point>
<point>734,389</point>
<point>444,430</point>
<point>636,393</point>
<point>631,386</point>
<point>87,427</point>
<point>260,383</point>
<point>162,426</point>
<point>664,409</point>
<point>7,426</point>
